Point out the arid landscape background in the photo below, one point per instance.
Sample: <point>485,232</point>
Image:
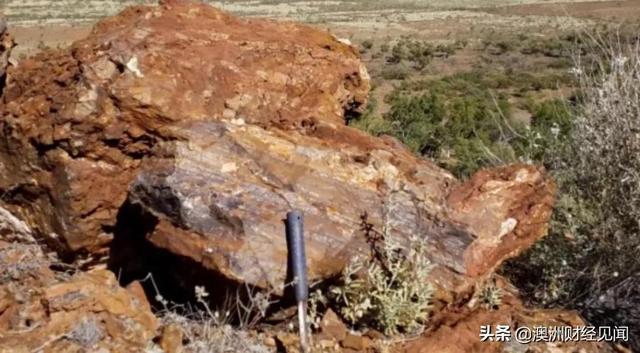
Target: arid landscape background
<point>472,85</point>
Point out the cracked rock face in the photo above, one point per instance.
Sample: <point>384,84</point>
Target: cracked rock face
<point>215,127</point>
<point>77,122</point>
<point>42,310</point>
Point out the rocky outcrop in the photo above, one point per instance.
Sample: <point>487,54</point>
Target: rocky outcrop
<point>216,127</point>
<point>219,198</point>
<point>44,310</point>
<point>211,128</point>
<point>78,121</point>
<point>193,132</point>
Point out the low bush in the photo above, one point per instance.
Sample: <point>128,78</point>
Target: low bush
<point>213,335</point>
<point>229,328</point>
<point>590,260</point>
<point>367,45</point>
<point>547,132</point>
<point>455,120</point>
<point>388,290</point>
<point>394,73</point>
<point>372,122</point>
<point>488,295</point>
<point>419,53</point>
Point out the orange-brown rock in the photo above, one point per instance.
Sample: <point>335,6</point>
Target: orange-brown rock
<point>78,121</point>
<point>357,343</point>
<point>463,336</point>
<point>87,311</point>
<point>505,209</point>
<point>46,311</point>
<point>458,331</point>
<point>215,127</point>
<point>332,327</point>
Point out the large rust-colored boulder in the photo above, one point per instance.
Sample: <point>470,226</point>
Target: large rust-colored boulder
<point>215,127</point>
<point>220,196</point>
<point>77,122</point>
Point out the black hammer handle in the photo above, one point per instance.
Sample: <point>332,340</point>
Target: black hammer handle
<point>295,241</point>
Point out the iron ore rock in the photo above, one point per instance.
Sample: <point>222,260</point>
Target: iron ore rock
<point>215,127</point>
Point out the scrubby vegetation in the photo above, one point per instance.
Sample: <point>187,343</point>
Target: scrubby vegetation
<point>590,259</point>
<point>589,141</point>
<point>388,290</point>
<point>464,121</point>
<point>489,295</point>
<point>230,327</point>
<point>418,53</point>
<point>205,334</point>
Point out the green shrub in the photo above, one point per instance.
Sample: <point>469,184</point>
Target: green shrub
<point>416,120</point>
<point>547,133</point>
<point>590,260</point>
<point>398,53</point>
<point>367,44</point>
<point>394,73</point>
<point>463,121</point>
<point>388,290</point>
<point>371,122</point>
<point>454,120</point>
<point>418,52</point>
<point>488,295</point>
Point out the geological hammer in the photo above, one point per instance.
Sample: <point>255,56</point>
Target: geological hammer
<point>298,263</point>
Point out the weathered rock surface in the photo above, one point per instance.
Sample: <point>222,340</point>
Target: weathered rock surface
<point>46,311</point>
<point>219,198</point>
<point>459,331</point>
<point>216,127</point>
<point>78,121</point>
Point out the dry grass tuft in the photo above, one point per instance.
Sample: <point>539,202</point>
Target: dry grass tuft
<point>233,328</point>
